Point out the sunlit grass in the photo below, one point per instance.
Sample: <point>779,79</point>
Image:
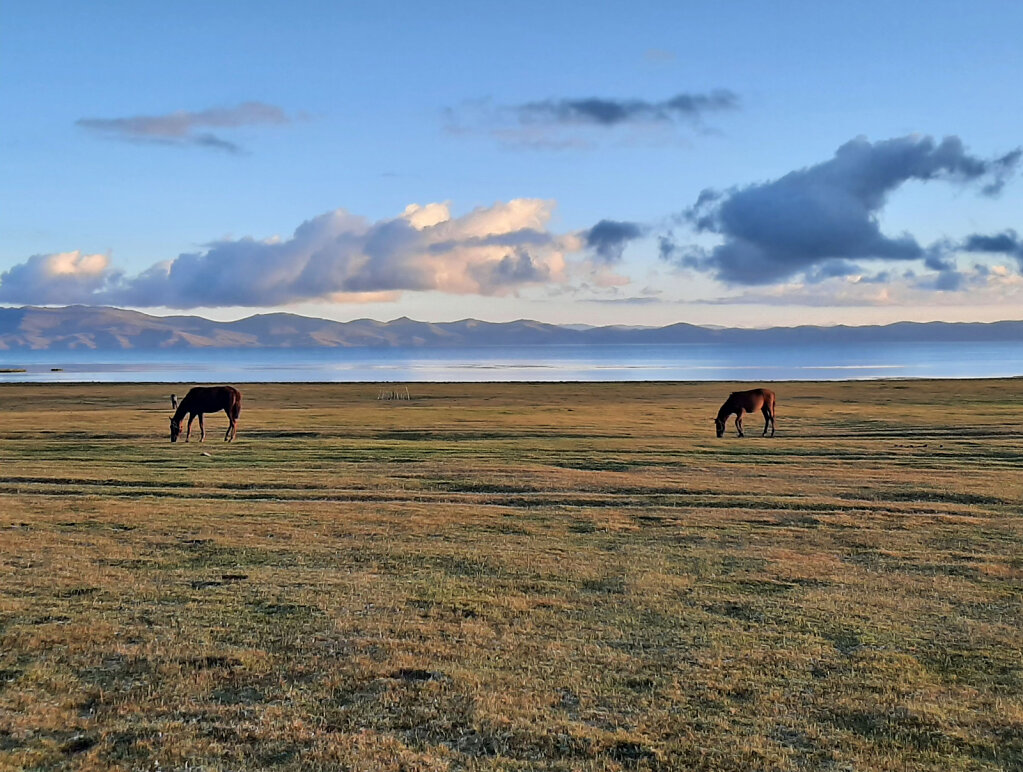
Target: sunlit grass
<point>502,576</point>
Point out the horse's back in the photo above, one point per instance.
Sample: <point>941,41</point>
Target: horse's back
<point>753,399</point>
<point>209,399</point>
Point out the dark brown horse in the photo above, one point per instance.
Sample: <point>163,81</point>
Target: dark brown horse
<point>207,399</point>
<point>742,402</point>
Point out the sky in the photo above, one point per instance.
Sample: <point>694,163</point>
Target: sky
<point>640,163</point>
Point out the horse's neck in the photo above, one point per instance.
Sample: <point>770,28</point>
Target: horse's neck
<point>726,410</point>
<point>182,409</point>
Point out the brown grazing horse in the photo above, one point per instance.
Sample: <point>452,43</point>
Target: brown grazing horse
<point>207,399</point>
<point>742,402</point>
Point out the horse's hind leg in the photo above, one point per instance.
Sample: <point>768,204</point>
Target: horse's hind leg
<point>232,417</point>
<point>768,421</point>
<point>232,427</point>
<point>202,429</point>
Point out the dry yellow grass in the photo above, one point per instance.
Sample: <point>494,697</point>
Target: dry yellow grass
<point>501,576</point>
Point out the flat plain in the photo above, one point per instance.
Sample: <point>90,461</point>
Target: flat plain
<point>513,576</point>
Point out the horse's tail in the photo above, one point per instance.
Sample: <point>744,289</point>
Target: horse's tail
<point>236,409</point>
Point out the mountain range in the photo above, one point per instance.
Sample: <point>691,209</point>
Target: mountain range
<point>103,328</point>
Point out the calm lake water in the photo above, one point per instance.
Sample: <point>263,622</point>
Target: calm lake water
<point>526,363</point>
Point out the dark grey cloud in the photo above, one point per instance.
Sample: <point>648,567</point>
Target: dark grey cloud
<point>520,238</point>
<point>939,262</point>
<point>670,250</point>
<point>1007,243</point>
<point>881,277</point>
<point>832,269</point>
<point>608,238</point>
<point>184,128</point>
<point>949,280</point>
<point>597,111</point>
<point>825,217</point>
<point>515,268</point>
<point>566,123</point>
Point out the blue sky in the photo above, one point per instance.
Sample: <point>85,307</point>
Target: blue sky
<point>858,162</point>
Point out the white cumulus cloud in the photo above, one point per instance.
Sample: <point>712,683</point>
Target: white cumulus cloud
<point>336,256</point>
<point>64,277</point>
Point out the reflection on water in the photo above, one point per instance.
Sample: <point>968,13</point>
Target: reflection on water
<point>526,363</point>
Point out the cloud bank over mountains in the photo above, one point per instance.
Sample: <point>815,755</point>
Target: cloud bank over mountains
<point>810,237</point>
<point>336,256</point>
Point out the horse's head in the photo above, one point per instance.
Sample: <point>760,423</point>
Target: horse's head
<point>719,425</point>
<point>175,430</point>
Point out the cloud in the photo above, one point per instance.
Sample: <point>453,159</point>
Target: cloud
<point>558,123</point>
<point>336,256</point>
<point>825,217</point>
<point>65,277</point>
<point>608,238</point>
<point>949,286</point>
<point>1006,243</point>
<point>517,267</point>
<point>183,128</point>
<point>596,111</point>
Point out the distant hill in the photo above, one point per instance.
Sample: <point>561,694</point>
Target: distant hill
<point>100,328</point>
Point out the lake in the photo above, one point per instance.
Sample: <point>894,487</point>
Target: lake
<point>693,362</point>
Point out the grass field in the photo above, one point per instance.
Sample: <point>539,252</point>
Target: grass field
<point>501,576</point>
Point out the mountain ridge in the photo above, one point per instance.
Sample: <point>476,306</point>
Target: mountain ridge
<point>107,328</point>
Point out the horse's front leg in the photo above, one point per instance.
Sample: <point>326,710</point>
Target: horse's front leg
<point>188,429</point>
<point>202,430</point>
<point>738,423</point>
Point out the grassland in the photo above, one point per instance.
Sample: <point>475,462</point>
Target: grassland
<point>513,577</point>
